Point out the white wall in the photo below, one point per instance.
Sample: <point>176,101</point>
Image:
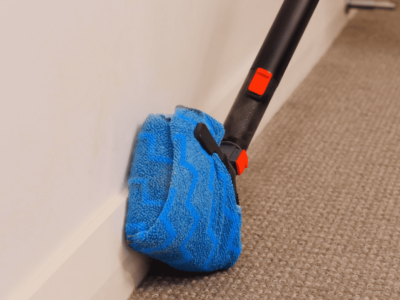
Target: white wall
<point>77,78</point>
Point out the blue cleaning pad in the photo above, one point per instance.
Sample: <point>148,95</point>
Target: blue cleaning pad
<point>182,208</point>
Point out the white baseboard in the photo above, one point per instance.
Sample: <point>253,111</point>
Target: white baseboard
<point>96,264</point>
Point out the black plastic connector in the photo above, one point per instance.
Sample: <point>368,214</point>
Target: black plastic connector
<point>206,140</point>
<point>232,152</point>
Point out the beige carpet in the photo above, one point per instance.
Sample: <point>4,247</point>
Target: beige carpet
<point>321,199</point>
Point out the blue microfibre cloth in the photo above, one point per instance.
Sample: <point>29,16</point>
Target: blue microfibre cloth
<point>182,208</point>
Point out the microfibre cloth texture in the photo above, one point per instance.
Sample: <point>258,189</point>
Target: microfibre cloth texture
<point>182,208</point>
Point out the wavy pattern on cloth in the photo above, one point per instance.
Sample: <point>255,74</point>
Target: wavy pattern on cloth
<point>182,208</point>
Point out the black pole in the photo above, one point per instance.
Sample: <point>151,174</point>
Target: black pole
<point>267,71</point>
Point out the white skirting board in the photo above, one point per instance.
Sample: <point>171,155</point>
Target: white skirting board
<point>96,263</point>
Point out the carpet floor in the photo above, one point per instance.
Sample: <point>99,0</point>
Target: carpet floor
<point>321,198</point>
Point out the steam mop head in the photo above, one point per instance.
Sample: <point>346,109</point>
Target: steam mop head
<point>182,208</point>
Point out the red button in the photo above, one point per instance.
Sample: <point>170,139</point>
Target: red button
<point>260,81</point>
<point>242,162</point>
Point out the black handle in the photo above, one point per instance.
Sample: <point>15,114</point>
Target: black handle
<point>267,71</point>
